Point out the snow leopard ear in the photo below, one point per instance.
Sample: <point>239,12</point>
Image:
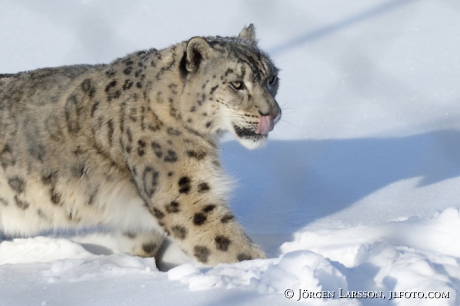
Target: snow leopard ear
<point>198,49</point>
<point>248,32</point>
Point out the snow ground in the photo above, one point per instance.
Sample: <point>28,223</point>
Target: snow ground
<point>358,188</point>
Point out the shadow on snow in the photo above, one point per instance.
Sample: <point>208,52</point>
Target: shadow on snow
<point>292,183</point>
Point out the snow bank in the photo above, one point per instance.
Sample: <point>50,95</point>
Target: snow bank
<point>74,270</point>
<point>434,234</point>
<point>39,249</point>
<point>413,255</point>
<point>407,255</point>
<point>71,262</point>
<point>299,269</point>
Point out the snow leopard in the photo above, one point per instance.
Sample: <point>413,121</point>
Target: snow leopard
<point>133,145</point>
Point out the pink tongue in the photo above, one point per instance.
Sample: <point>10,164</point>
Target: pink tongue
<point>266,125</point>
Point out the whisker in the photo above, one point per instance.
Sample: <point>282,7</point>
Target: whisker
<point>290,126</point>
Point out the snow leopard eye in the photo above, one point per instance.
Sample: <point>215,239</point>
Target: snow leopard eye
<point>272,81</point>
<point>237,85</point>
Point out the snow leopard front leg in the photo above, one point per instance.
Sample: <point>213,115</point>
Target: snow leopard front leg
<point>187,196</point>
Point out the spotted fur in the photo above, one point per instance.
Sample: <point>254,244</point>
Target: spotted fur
<point>132,145</point>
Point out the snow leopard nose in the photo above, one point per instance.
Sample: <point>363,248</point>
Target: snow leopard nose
<point>273,115</point>
<point>276,116</point>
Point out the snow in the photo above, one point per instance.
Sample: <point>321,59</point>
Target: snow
<point>40,249</point>
<point>357,190</point>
